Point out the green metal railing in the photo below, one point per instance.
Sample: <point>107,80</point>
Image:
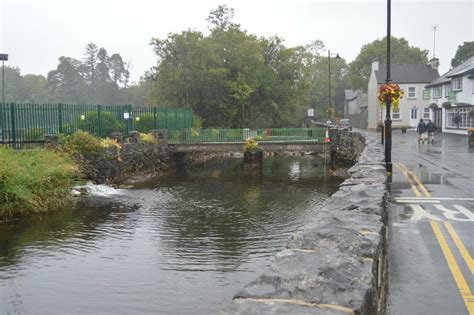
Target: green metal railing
<point>240,135</point>
<point>28,123</point>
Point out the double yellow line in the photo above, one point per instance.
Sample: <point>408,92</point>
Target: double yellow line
<point>413,180</point>
<point>466,293</point>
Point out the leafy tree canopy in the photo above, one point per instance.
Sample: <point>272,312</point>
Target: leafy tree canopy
<point>401,52</point>
<point>232,78</point>
<point>464,52</point>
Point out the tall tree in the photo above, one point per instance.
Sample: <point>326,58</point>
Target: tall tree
<point>67,82</point>
<point>401,52</point>
<point>222,17</point>
<point>231,78</point>
<point>464,52</point>
<point>90,63</point>
<point>118,69</point>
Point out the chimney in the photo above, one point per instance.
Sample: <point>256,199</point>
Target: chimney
<point>434,63</point>
<point>375,65</point>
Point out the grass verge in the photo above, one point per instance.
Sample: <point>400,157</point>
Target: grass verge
<point>33,181</point>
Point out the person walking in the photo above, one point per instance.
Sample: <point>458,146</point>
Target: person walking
<point>431,128</point>
<point>421,128</point>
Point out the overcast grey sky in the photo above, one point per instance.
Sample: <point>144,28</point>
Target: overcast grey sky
<point>35,33</point>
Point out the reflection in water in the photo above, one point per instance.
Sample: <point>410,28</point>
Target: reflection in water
<point>184,243</point>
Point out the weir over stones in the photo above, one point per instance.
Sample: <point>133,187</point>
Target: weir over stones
<point>337,263</point>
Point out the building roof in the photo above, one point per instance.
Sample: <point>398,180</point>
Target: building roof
<point>466,67</point>
<point>407,73</point>
<point>350,95</point>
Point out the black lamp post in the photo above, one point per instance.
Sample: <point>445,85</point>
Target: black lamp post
<point>329,75</point>
<point>3,58</point>
<point>388,121</point>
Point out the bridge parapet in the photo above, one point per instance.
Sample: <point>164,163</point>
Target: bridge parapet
<point>240,135</point>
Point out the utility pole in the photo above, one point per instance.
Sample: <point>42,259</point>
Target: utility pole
<point>388,121</point>
<point>3,58</point>
<point>434,28</point>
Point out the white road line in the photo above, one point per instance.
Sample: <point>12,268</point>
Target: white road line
<point>417,201</point>
<point>433,198</point>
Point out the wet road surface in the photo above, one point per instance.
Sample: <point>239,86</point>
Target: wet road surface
<point>431,226</point>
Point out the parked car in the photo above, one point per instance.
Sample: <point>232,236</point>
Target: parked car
<point>345,124</point>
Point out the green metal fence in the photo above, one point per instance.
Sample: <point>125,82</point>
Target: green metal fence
<point>28,123</point>
<point>240,135</point>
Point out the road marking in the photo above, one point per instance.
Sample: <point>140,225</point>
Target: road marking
<point>418,201</point>
<point>459,244</point>
<point>453,266</point>
<point>417,180</point>
<point>453,214</point>
<point>419,213</point>
<point>465,211</point>
<point>413,187</point>
<point>435,198</point>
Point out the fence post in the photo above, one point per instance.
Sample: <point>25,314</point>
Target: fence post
<point>98,120</point>
<point>12,114</point>
<point>60,117</point>
<point>130,120</point>
<point>166,118</point>
<point>154,118</point>
<point>2,127</point>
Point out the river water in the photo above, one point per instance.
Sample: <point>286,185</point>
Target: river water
<point>181,244</point>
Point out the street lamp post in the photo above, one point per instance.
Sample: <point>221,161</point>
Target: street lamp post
<point>388,121</point>
<point>329,75</point>
<point>3,58</point>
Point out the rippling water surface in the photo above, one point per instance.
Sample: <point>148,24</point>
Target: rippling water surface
<point>182,244</point>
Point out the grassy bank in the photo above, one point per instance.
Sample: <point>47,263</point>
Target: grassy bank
<point>33,180</point>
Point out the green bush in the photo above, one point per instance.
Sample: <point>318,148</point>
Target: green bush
<point>145,124</point>
<point>82,143</point>
<point>33,133</point>
<point>33,180</point>
<point>109,122</point>
<point>197,122</point>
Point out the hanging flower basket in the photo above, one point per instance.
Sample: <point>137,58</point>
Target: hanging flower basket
<point>390,92</point>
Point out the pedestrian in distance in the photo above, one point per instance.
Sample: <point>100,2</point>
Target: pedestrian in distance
<point>421,129</point>
<point>431,128</point>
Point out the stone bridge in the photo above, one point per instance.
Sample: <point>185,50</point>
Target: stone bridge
<point>295,146</point>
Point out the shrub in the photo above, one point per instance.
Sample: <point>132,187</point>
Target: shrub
<point>33,133</point>
<point>197,122</point>
<point>86,145</point>
<point>109,122</point>
<point>33,180</point>
<point>145,124</point>
<point>251,146</point>
<point>147,138</point>
<point>82,143</point>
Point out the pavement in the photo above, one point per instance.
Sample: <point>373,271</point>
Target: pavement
<point>431,226</point>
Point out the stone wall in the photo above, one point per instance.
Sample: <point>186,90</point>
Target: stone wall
<point>346,147</point>
<point>337,263</point>
<point>134,162</point>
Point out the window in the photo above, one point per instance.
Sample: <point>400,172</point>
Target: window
<point>457,84</point>
<point>437,92</point>
<point>396,113</point>
<point>426,113</point>
<point>447,89</point>
<point>411,92</point>
<point>459,118</point>
<point>414,113</point>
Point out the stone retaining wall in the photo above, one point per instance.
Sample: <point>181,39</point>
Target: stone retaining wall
<point>135,162</point>
<point>337,263</point>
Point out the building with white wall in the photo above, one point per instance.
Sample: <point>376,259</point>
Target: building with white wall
<point>355,108</point>
<point>452,98</point>
<point>412,78</point>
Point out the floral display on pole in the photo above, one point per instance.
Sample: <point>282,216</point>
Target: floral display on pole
<point>391,92</point>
